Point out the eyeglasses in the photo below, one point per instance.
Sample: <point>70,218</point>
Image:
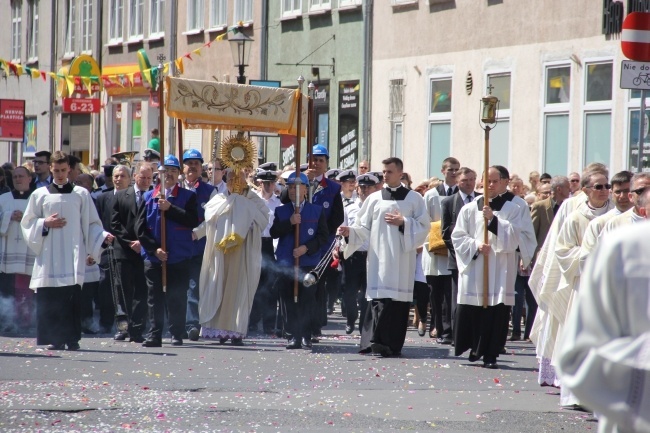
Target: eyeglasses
<point>638,191</point>
<point>598,187</point>
<point>575,180</point>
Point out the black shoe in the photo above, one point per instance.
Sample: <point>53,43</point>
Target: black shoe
<point>381,349</point>
<point>443,340</point>
<point>55,346</point>
<point>349,329</point>
<point>121,336</point>
<point>502,351</point>
<point>136,339</point>
<point>491,365</point>
<point>315,340</point>
<point>473,358</point>
<point>74,346</point>
<point>177,341</point>
<point>193,335</point>
<point>294,344</point>
<point>223,340</point>
<point>306,343</point>
<point>514,337</point>
<point>237,341</point>
<point>88,331</point>
<point>152,342</point>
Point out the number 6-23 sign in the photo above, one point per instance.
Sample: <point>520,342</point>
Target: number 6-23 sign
<point>81,105</point>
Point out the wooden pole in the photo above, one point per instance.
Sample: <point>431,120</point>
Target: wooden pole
<point>161,129</point>
<point>296,206</point>
<point>486,202</point>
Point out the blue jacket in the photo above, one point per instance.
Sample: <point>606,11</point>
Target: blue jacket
<point>328,195</point>
<point>180,219</point>
<point>203,192</point>
<point>313,234</point>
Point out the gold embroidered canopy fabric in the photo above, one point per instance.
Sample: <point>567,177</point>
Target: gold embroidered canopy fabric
<point>207,105</point>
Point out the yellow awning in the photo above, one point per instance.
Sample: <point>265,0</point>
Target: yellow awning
<point>123,80</point>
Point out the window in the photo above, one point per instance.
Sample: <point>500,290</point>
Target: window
<point>136,26</point>
<point>501,89</point>
<point>86,25</point>
<point>440,96</point>
<point>396,102</point>
<point>597,110</point>
<point>500,135</point>
<point>558,85</point>
<point>115,23</point>
<point>396,140</point>
<point>194,15</point>
<point>157,12</point>
<point>319,5</point>
<point>71,29</point>
<point>291,8</point>
<point>32,48</point>
<point>349,3</point>
<point>439,122</point>
<point>243,11</point>
<point>16,29</point>
<point>218,14</point>
<point>556,119</point>
<point>599,82</point>
<point>598,129</point>
<point>439,145</point>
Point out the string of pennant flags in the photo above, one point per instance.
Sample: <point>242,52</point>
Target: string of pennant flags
<point>146,74</point>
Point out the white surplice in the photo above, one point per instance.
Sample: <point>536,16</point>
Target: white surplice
<point>515,230</point>
<point>624,219</point>
<point>15,257</point>
<point>592,235</point>
<point>391,254</point>
<point>232,261</point>
<point>606,345</point>
<point>61,254</point>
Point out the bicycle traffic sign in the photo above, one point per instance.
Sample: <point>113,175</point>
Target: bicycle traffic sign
<point>635,75</point>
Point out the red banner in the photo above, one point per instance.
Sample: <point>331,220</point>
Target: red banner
<point>81,105</point>
<point>12,119</point>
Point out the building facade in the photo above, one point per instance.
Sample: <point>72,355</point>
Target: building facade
<point>323,41</point>
<point>554,65</point>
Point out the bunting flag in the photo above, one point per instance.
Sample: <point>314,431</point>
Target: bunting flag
<point>149,74</point>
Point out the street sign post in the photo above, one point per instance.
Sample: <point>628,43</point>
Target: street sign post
<point>81,105</point>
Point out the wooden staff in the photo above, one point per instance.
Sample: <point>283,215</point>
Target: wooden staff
<point>486,163</point>
<point>297,180</point>
<point>161,171</point>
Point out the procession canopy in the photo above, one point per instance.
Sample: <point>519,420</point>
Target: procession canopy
<point>209,105</point>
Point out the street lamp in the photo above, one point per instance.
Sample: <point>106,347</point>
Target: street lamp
<point>240,45</point>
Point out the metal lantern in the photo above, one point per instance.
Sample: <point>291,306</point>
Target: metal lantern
<point>240,45</point>
<point>490,107</point>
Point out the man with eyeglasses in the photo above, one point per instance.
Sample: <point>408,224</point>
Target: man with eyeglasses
<point>567,252</point>
<point>640,182</point>
<point>364,166</point>
<point>622,200</point>
<point>574,180</point>
<point>216,172</point>
<point>42,175</point>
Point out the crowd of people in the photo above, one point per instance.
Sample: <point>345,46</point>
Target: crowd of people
<point>175,242</point>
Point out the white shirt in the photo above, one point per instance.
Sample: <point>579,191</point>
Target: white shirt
<point>272,203</point>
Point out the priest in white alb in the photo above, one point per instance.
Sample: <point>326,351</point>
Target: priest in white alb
<point>61,226</point>
<point>231,263</point>
<point>603,358</point>
<point>482,329</point>
<point>396,223</point>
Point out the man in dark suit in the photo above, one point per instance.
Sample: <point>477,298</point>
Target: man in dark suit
<point>542,212</point>
<point>450,169</point>
<point>450,209</point>
<point>130,265</point>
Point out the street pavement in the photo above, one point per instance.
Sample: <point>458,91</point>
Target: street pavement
<point>203,386</point>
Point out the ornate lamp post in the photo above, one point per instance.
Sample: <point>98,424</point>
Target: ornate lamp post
<point>490,105</point>
<point>240,46</point>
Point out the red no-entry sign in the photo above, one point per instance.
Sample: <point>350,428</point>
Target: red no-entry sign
<point>635,40</point>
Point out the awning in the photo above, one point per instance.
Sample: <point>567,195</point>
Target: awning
<point>123,80</point>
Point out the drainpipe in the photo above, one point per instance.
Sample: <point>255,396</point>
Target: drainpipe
<point>171,123</point>
<point>264,52</point>
<point>366,96</point>
<point>96,118</point>
<point>53,115</point>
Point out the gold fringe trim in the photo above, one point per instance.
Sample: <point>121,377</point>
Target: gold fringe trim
<point>230,242</point>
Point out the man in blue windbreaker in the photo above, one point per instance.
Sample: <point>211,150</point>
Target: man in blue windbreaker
<point>313,235</point>
<point>180,218</point>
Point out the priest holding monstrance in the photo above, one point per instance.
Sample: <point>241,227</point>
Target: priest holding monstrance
<point>232,261</point>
